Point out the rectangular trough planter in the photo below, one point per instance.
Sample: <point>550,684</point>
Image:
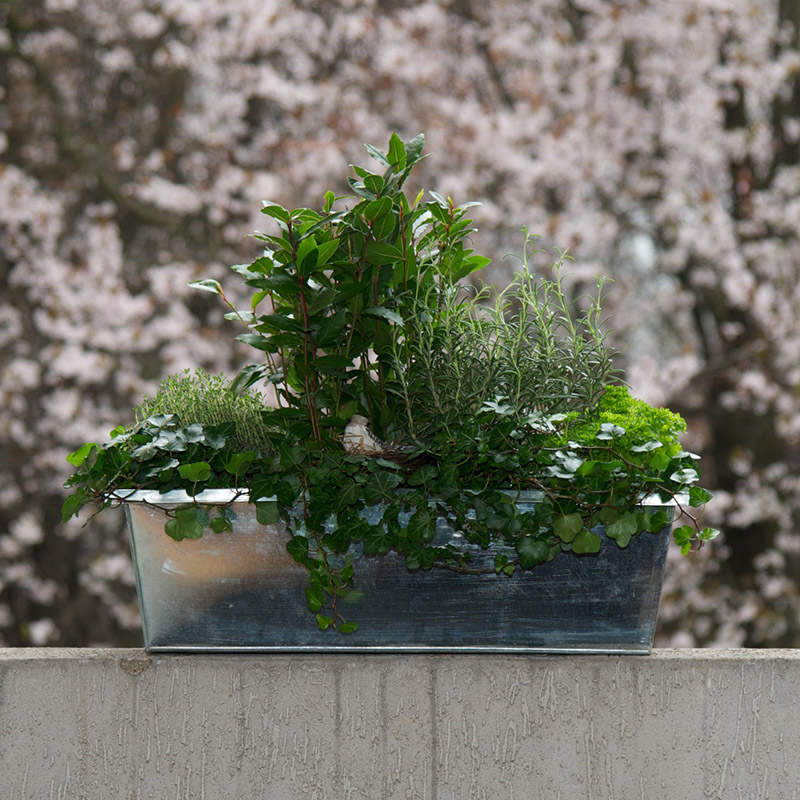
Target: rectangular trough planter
<point>241,591</point>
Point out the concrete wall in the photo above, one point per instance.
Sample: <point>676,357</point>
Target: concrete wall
<point>677,725</point>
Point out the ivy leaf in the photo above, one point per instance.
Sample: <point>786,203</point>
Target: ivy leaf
<point>623,530</point>
<point>380,488</point>
<point>586,542</point>
<point>698,496</point>
<point>684,476</point>
<point>348,627</point>
<point>610,431</point>
<point>268,514</point>
<point>421,526</point>
<point>324,622</point>
<point>238,463</point>
<point>647,447</point>
<point>683,538</point>
<point>531,551</point>
<point>315,597</point>
<point>377,540</point>
<point>297,548</point>
<point>72,505</point>
<point>195,472</point>
<point>568,527</point>
<point>79,456</point>
<point>188,523</point>
<point>224,521</point>
<point>654,521</point>
<point>423,475</point>
<point>347,495</point>
<point>708,534</point>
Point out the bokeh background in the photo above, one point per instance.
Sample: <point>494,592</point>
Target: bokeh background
<point>658,141</point>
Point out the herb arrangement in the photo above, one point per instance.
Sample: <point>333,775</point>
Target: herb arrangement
<point>360,312</point>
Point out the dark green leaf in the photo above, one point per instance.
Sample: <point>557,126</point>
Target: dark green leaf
<point>195,472</point>
<point>223,521</point>
<point>385,313</point>
<point>275,211</point>
<point>297,547</point>
<point>238,463</point>
<point>531,551</point>
<point>397,153</point>
<point>568,527</point>
<point>623,529</point>
<point>267,513</point>
<point>315,597</point>
<point>380,488</point>
<point>586,542</point>
<point>188,523</point>
<point>422,526</point>
<point>381,253</point>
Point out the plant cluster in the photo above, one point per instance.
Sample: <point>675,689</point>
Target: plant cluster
<point>359,308</point>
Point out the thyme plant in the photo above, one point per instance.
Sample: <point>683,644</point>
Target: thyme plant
<point>359,308</point>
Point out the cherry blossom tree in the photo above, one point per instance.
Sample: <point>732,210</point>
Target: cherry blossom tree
<point>658,142</point>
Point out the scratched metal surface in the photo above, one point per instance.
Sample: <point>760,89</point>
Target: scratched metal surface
<point>241,591</point>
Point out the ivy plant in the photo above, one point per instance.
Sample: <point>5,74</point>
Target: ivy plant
<point>369,306</point>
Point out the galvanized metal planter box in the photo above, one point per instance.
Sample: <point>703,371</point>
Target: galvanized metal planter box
<point>241,591</point>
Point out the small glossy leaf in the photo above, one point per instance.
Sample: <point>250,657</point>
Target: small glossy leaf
<point>268,514</point>
<point>531,551</point>
<point>207,285</point>
<point>224,521</point>
<point>623,529</point>
<point>324,622</point>
<point>238,463</point>
<point>188,523</point>
<point>421,526</point>
<point>195,472</point>
<point>586,542</point>
<point>708,534</point>
<point>348,627</point>
<point>315,598</point>
<point>275,211</point>
<point>683,538</point>
<point>297,547</point>
<point>568,527</point>
<point>397,152</point>
<point>684,476</point>
<point>698,496</point>
<point>385,313</point>
<point>79,456</point>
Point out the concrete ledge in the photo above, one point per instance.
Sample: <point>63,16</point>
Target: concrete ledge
<point>121,724</point>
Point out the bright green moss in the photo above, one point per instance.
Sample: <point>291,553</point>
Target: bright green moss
<point>642,423</point>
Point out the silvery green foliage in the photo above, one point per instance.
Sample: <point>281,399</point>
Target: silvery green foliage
<point>659,142</point>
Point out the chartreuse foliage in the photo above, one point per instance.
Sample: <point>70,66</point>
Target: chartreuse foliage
<point>359,308</point>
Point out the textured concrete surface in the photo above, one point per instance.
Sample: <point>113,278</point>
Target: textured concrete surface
<point>677,725</point>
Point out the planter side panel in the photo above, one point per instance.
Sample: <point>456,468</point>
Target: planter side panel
<point>241,591</point>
